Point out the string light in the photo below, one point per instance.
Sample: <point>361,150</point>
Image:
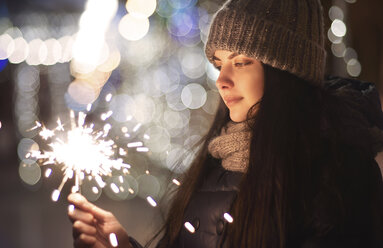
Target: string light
<point>336,34</point>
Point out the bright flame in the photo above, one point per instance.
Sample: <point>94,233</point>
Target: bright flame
<point>81,151</point>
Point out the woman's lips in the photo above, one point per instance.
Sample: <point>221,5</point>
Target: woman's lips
<point>230,100</point>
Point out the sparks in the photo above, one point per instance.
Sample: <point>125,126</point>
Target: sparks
<point>108,97</point>
<point>228,217</point>
<point>137,127</point>
<point>70,208</point>
<point>95,190</point>
<point>48,172</point>
<point>176,182</point>
<point>113,240</point>
<point>89,107</point>
<point>114,187</point>
<point>135,144</point>
<point>80,151</point>
<point>189,227</point>
<point>151,201</point>
<point>142,149</point>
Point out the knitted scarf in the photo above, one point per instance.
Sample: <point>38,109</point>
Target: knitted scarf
<point>232,146</point>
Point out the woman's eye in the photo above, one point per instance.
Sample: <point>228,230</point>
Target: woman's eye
<point>217,67</point>
<point>242,64</point>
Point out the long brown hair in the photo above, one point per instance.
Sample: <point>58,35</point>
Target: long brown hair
<point>277,189</point>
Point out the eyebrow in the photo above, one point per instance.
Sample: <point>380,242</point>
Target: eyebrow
<point>231,56</point>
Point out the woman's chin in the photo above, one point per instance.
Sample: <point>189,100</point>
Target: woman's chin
<point>236,117</point>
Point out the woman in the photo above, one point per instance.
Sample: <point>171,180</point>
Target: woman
<point>289,156</point>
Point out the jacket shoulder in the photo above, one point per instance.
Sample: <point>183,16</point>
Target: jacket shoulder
<point>353,108</point>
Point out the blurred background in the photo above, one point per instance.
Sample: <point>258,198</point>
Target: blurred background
<point>137,69</point>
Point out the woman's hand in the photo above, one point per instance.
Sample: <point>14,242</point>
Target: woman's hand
<point>93,225</point>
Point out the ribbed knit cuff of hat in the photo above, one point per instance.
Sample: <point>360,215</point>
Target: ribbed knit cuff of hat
<point>267,41</point>
<point>232,146</point>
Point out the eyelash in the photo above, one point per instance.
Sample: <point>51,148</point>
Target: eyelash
<point>236,65</point>
<point>243,64</point>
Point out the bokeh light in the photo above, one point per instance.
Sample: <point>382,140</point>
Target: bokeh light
<point>181,4</point>
<point>38,52</point>
<point>82,92</point>
<point>338,49</point>
<point>54,49</point>
<point>90,189</point>
<point>145,108</point>
<point>173,99</point>
<point>354,68</point>
<point>193,96</point>
<point>21,51</point>
<point>141,8</point>
<point>111,63</point>
<point>29,172</point>
<point>133,28</point>
<point>335,13</point>
<point>7,46</point>
<point>333,38</point>
<point>164,9</point>
<point>123,107</point>
<point>14,32</point>
<point>89,48</point>
<point>119,186</point>
<point>338,28</point>
<point>66,43</point>
<point>192,62</point>
<point>148,185</point>
<point>211,105</point>
<point>159,139</point>
<point>180,24</point>
<point>26,146</point>
<point>349,54</point>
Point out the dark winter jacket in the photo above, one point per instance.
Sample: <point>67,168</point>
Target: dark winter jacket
<point>360,181</point>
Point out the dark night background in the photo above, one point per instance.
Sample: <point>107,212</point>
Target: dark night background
<point>29,219</point>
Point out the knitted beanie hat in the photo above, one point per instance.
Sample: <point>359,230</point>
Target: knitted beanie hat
<point>285,34</point>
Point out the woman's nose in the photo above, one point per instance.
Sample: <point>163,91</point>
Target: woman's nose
<point>224,79</point>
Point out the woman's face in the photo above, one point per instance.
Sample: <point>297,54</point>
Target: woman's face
<point>240,82</point>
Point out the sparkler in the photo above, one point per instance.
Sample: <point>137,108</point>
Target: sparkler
<point>81,152</point>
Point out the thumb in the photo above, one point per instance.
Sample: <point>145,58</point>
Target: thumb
<point>82,203</point>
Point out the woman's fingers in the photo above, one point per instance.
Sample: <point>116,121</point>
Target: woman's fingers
<point>84,241</point>
<point>100,214</point>
<point>82,203</point>
<point>78,214</point>
<point>81,227</point>
<point>79,201</point>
